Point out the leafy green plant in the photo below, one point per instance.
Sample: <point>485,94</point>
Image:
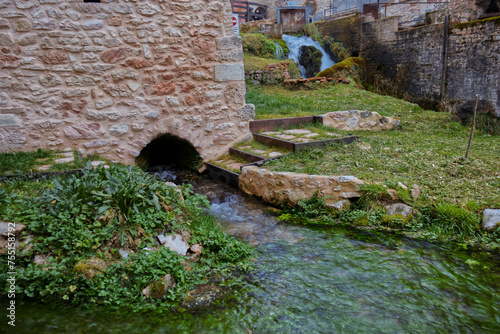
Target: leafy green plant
<point>79,223</point>
<point>307,211</point>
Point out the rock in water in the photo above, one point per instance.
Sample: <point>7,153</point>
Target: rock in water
<point>159,288</point>
<point>310,59</point>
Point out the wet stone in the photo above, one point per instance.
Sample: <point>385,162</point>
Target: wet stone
<point>64,160</point>
<point>43,168</point>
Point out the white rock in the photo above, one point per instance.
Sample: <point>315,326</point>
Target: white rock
<point>123,253</point>
<point>176,244</point>
<point>402,185</point>
<point>491,219</point>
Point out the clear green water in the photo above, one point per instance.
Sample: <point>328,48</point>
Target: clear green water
<point>310,280</point>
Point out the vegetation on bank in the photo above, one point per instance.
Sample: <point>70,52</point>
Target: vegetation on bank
<point>13,163</point>
<point>77,226</point>
<point>427,150</point>
<point>260,51</point>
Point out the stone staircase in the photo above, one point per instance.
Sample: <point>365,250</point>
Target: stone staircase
<point>271,139</point>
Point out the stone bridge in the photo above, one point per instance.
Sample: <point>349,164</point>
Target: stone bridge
<point>113,76</point>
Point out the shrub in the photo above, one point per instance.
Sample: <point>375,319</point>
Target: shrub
<point>258,45</point>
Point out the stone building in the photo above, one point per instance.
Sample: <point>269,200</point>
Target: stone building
<point>111,76</point>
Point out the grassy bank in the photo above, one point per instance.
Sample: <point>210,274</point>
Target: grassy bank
<point>426,150</point>
<point>78,228</point>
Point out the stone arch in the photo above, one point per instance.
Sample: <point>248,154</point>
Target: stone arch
<point>168,149</point>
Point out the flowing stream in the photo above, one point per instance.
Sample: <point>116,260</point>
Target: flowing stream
<point>312,280</point>
<point>294,44</point>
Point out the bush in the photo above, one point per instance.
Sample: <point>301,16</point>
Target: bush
<point>258,45</point>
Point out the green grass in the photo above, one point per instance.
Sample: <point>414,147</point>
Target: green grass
<point>277,101</point>
<point>15,163</point>
<point>426,150</point>
<point>22,162</point>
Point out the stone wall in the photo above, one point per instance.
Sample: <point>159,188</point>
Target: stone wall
<point>473,66</point>
<point>406,63</point>
<point>346,31</point>
<point>409,63</point>
<point>350,120</point>
<point>283,187</point>
<point>464,10</point>
<point>110,77</point>
<point>273,74</point>
<point>409,10</point>
<point>273,4</point>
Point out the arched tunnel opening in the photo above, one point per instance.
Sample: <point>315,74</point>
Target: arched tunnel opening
<point>168,150</point>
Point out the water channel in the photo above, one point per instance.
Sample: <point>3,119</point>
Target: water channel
<point>313,280</point>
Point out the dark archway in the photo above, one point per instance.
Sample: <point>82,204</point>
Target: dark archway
<point>169,150</point>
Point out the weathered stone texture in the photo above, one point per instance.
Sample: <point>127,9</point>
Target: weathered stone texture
<point>94,71</point>
<point>409,62</point>
<point>283,187</point>
<point>359,120</point>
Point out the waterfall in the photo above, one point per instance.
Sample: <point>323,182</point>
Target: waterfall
<point>278,52</point>
<point>294,44</point>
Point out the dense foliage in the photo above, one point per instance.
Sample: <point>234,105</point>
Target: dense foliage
<point>78,224</point>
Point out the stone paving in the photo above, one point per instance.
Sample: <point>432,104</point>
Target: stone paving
<point>298,135</point>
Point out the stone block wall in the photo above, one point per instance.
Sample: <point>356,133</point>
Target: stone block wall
<point>345,30</point>
<point>473,66</point>
<point>464,10</point>
<point>409,63</point>
<point>409,10</point>
<point>110,77</point>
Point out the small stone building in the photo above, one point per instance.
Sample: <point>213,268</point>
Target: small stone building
<point>111,76</point>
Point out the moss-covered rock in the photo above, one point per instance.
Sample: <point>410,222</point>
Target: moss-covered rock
<point>310,59</point>
<point>91,267</point>
<point>158,289</point>
<point>351,67</point>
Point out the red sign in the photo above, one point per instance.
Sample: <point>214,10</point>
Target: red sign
<point>235,21</point>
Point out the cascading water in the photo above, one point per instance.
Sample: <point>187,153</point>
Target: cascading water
<point>278,52</point>
<point>294,44</point>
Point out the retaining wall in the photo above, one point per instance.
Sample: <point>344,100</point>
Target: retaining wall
<point>283,187</point>
<point>409,63</point>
